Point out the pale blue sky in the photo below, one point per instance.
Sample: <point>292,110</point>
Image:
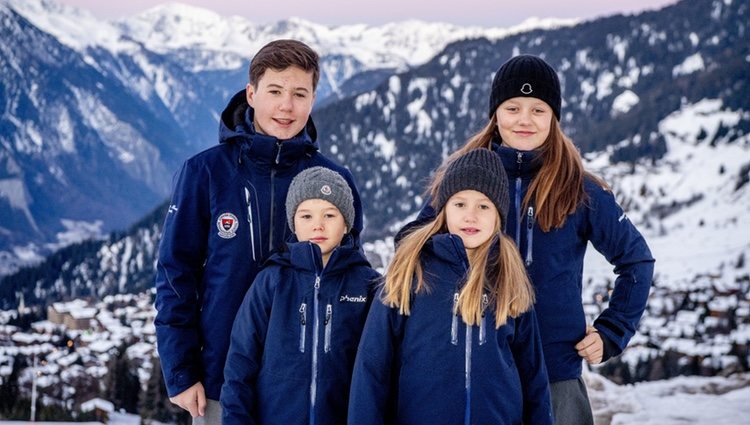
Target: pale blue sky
<point>484,13</point>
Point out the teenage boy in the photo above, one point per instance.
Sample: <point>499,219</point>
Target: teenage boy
<point>227,214</point>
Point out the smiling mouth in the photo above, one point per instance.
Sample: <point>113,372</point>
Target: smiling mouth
<point>284,122</point>
<point>470,231</point>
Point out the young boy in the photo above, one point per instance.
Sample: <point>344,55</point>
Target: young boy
<point>296,334</point>
<point>226,215</point>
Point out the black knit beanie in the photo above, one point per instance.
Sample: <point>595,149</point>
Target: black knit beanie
<point>480,170</point>
<point>320,183</point>
<point>526,76</point>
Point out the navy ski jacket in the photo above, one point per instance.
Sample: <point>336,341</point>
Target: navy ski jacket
<point>295,338</point>
<point>431,368</point>
<point>554,262</point>
<point>226,215</point>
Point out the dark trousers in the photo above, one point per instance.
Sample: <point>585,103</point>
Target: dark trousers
<point>570,403</point>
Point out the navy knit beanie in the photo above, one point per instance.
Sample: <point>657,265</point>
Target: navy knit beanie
<point>526,76</point>
<point>480,170</point>
<point>320,183</point>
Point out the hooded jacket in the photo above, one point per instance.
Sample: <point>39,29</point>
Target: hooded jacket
<point>295,338</point>
<point>431,368</point>
<point>226,215</point>
<point>554,262</point>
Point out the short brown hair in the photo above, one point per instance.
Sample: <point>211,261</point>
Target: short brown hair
<point>280,55</point>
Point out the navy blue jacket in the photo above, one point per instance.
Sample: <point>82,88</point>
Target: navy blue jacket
<point>554,262</point>
<point>295,338</point>
<point>226,214</point>
<point>431,368</point>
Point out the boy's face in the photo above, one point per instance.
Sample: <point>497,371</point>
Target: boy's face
<point>321,223</point>
<point>282,101</point>
<point>472,216</point>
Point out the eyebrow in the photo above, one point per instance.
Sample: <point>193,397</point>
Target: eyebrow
<point>300,210</point>
<point>277,86</point>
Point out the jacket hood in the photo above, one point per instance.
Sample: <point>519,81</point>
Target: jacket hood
<point>236,126</point>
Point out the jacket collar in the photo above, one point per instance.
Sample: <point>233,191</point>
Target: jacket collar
<point>518,163</point>
<point>306,256</point>
<point>237,127</point>
<point>448,248</point>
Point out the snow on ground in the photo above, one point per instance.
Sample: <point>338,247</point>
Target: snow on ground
<point>678,401</point>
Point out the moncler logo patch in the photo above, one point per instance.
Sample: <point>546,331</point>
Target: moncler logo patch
<point>526,88</point>
<point>325,190</point>
<point>227,224</point>
<point>353,299</point>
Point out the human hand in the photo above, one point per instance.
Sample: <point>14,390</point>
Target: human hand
<point>591,347</point>
<point>192,399</point>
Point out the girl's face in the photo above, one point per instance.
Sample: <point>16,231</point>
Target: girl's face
<point>472,216</point>
<point>524,122</point>
<point>321,223</point>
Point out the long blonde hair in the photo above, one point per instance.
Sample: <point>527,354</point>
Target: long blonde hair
<point>502,276</point>
<point>556,191</point>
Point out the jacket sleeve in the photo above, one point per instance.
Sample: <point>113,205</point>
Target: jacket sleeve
<point>246,352</point>
<point>613,235</point>
<point>374,383</point>
<point>182,252</point>
<point>529,358</point>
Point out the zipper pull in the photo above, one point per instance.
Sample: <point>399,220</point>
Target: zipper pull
<point>278,153</point>
<point>329,313</point>
<point>519,157</point>
<point>530,218</point>
<point>303,314</point>
<point>317,282</point>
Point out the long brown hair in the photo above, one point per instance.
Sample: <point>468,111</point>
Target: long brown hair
<point>502,276</point>
<point>556,190</point>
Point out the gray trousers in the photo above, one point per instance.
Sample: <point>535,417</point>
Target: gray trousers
<point>570,403</point>
<point>212,416</point>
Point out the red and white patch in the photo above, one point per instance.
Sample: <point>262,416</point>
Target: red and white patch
<point>227,224</point>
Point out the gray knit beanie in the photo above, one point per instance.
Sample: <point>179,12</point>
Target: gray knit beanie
<point>526,76</point>
<point>320,183</point>
<point>480,170</point>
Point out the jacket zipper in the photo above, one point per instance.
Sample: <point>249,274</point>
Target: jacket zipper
<point>519,161</point>
<point>328,324</point>
<point>302,326</point>
<point>529,235</point>
<point>454,321</point>
<point>316,327</point>
<point>483,323</point>
<point>467,371</point>
<point>250,222</point>
<point>273,181</point>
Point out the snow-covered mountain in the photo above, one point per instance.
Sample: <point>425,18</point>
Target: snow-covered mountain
<point>98,114</point>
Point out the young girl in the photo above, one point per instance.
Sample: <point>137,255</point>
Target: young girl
<point>453,337</point>
<point>557,209</point>
<point>296,333</point>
